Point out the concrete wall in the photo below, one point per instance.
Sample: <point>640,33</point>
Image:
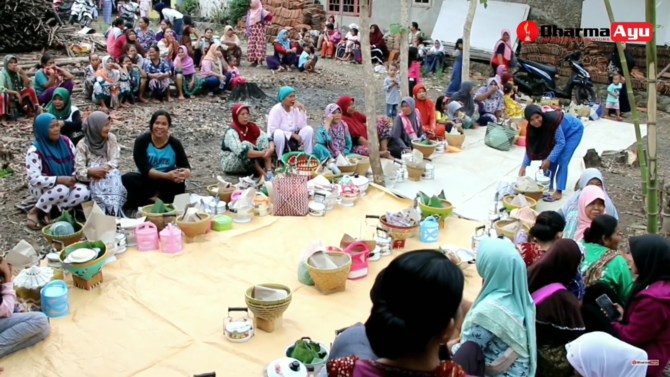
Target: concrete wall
<point>562,13</point>
<point>386,12</point>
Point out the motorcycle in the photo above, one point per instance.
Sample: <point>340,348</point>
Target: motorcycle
<point>82,12</point>
<point>130,12</point>
<point>62,10</point>
<point>536,79</point>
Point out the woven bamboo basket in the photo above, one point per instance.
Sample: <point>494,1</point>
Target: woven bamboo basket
<point>159,219</point>
<point>455,140</point>
<point>362,164</point>
<point>507,202</point>
<point>302,162</point>
<point>268,310</point>
<point>66,240</point>
<point>331,281</point>
<point>194,229</point>
<point>414,174</point>
<point>398,234</point>
<point>537,195</point>
<point>348,169</point>
<point>426,150</point>
<point>509,234</point>
<point>223,196</point>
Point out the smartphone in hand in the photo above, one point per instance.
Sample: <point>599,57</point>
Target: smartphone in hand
<point>608,307</point>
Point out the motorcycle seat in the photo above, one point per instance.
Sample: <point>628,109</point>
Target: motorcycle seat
<point>550,69</point>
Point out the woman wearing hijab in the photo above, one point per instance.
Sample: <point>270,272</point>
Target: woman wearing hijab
<point>214,70</point>
<point>256,40</point>
<point>67,115</point>
<point>645,319</point>
<point>356,122</point>
<point>332,138</point>
<point>502,319</point>
<point>232,43</point>
<point>590,177</point>
<point>407,127</point>
<point>50,172</point>
<point>615,67</point>
<point>129,38</point>
<point>246,149</point>
<point>502,52</point>
<point>598,354</point>
<point>426,109</point>
<point>490,101</point>
<point>434,57</point>
<point>287,124</point>
<point>188,81</point>
<point>558,319</point>
<point>551,137</point>
<point>97,164</point>
<point>455,83</point>
<point>590,205</point>
<point>16,95</point>
<point>285,56</point>
<point>378,45</point>
<point>466,97</point>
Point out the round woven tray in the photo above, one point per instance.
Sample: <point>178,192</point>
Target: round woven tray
<point>395,232</point>
<point>268,310</point>
<point>66,240</point>
<point>426,150</point>
<point>507,202</point>
<point>331,281</point>
<point>159,219</point>
<point>537,195</point>
<point>509,234</point>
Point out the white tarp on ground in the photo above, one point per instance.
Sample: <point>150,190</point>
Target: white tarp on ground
<point>486,27</point>
<point>469,179</point>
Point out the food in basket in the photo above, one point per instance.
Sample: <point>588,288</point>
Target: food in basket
<point>433,201</point>
<point>527,184</point>
<point>519,201</point>
<point>160,207</point>
<point>427,142</point>
<point>64,225</point>
<point>307,352</point>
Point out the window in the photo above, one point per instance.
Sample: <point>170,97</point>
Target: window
<point>422,3</point>
<point>347,7</point>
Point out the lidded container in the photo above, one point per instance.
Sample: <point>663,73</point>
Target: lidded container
<point>146,236</point>
<point>171,242</point>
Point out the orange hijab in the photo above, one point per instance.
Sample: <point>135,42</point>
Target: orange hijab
<point>426,107</point>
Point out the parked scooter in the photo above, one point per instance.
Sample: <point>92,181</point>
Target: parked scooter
<point>130,12</point>
<point>535,79</point>
<point>62,10</point>
<point>82,12</point>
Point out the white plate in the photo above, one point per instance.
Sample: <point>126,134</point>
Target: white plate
<point>82,255</point>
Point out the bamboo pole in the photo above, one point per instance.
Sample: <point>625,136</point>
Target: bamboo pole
<point>652,178</point>
<point>467,29</point>
<point>636,118</point>
<point>370,91</point>
<point>404,47</point>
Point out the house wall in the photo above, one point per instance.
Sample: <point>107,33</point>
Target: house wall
<point>386,12</point>
<point>562,13</point>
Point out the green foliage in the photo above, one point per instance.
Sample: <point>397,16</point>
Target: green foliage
<point>398,29</point>
<point>189,7</point>
<point>237,10</point>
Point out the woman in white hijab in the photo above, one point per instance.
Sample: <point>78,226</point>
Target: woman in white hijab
<point>598,354</point>
<point>434,57</point>
<point>590,176</point>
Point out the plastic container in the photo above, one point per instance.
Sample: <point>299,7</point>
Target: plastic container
<point>171,242</point>
<point>429,230</point>
<point>146,235</point>
<point>222,223</point>
<point>54,297</point>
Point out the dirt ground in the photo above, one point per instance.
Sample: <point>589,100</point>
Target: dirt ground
<point>200,124</point>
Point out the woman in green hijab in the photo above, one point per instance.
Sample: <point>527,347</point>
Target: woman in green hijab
<point>16,95</point>
<point>68,116</point>
<point>502,319</point>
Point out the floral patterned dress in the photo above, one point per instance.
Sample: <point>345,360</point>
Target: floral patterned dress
<point>349,366</point>
<point>333,141</point>
<point>234,157</point>
<point>147,39</point>
<point>494,348</point>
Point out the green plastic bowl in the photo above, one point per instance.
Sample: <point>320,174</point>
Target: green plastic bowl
<point>85,271</point>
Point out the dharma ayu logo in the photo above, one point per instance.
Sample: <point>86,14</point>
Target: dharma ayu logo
<point>529,32</point>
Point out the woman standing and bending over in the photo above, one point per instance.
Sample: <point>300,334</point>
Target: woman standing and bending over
<point>287,124</point>
<point>49,77</point>
<point>552,137</point>
<point>162,165</point>
<point>246,148</point>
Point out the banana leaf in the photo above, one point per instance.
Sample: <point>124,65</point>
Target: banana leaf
<point>159,207</point>
<point>425,199</point>
<point>304,352</point>
<point>67,217</point>
<point>435,202</point>
<point>442,195</point>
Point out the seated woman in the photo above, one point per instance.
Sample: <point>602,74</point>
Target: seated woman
<point>558,316</point>
<point>214,70</point>
<point>490,101</point>
<point>50,170</point>
<point>97,163</point>
<point>163,25</point>
<point>456,118</point>
<point>16,96</point>
<point>94,63</point>
<point>333,138</point>
<point>426,108</point>
<point>465,96</point>
<point>158,72</point>
<point>548,229</point>
<point>106,90</point>
<point>331,38</point>
<point>603,263</point>
<point>49,77</point>
<point>67,115</point>
<point>590,205</point>
<point>202,45</point>
<point>403,342</point>
<point>599,354</point>
<point>168,46</point>
<point>126,82</point>
<point>358,130</point>
<point>136,71</point>
<point>162,165</point>
<point>502,319</point>
<point>287,124</point>
<point>406,127</point>
<point>435,57</point>
<point>188,81</point>
<point>644,321</point>
<point>590,177</point>
<point>129,38</point>
<point>246,148</point>
<point>232,43</point>
<point>378,46</point>
<point>285,55</point>
<point>352,45</point>
<point>18,330</point>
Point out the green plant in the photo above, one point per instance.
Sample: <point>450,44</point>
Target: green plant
<point>237,10</point>
<point>190,6</point>
<point>432,201</point>
<point>397,29</point>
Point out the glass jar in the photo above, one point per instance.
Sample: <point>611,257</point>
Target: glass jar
<point>55,264</point>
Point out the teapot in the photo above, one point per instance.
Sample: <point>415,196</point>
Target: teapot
<point>286,367</point>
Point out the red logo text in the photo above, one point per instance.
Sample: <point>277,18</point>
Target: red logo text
<point>631,32</point>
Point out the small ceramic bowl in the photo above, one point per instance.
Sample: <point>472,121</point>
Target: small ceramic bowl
<point>317,209</point>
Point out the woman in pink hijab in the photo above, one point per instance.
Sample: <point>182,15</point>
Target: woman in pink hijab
<point>591,205</point>
<point>502,53</point>
<point>256,39</point>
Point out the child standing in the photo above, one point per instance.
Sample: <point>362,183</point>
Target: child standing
<point>414,71</point>
<point>613,96</point>
<point>392,89</point>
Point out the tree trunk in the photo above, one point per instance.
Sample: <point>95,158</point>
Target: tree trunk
<point>370,90</point>
<point>467,28</point>
<point>631,97</point>
<point>652,68</point>
<point>404,47</point>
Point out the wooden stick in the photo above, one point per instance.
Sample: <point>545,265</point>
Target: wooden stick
<point>663,71</point>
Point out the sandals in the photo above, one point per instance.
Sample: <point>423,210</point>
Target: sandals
<point>33,225</point>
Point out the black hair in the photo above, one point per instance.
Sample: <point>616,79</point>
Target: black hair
<point>118,22</point>
<point>44,60</point>
<point>412,56</point>
<point>547,226</point>
<point>414,299</point>
<point>167,22</point>
<point>459,41</point>
<point>155,48</point>
<point>145,19</point>
<point>602,227</point>
<point>123,57</point>
<point>330,26</point>
<point>310,48</point>
<point>419,38</point>
<point>188,20</point>
<point>508,88</point>
<point>209,29</point>
<point>155,116</point>
<point>129,25</point>
<point>416,25</point>
<point>354,30</point>
<point>304,30</point>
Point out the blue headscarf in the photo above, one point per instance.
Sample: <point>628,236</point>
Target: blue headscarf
<point>285,42</point>
<point>504,306</point>
<point>284,92</point>
<point>57,158</point>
